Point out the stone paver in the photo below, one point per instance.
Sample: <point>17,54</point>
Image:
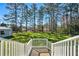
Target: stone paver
<point>40,52</point>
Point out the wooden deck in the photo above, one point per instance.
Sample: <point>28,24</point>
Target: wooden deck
<point>40,52</point>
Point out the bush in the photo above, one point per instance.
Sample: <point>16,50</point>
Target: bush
<point>24,36</point>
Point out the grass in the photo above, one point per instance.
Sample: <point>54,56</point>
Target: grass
<point>25,36</point>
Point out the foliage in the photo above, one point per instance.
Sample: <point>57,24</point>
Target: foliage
<point>25,36</point>
<point>74,30</point>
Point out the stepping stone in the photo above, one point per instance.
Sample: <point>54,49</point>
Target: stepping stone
<point>44,54</point>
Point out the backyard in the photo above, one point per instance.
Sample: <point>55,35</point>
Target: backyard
<point>52,21</point>
<point>39,26</point>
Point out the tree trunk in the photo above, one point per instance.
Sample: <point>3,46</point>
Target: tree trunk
<point>16,16</point>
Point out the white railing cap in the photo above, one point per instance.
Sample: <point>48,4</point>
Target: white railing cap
<point>71,38</point>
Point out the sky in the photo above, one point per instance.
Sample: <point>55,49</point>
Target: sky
<point>3,11</point>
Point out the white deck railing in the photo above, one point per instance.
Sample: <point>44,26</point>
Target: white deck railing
<point>39,43</point>
<point>13,48</point>
<point>67,47</point>
<point>36,43</point>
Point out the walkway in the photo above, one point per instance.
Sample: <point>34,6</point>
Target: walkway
<point>40,52</point>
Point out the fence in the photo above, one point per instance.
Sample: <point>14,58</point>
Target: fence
<point>68,47</point>
<point>39,43</point>
<point>13,48</point>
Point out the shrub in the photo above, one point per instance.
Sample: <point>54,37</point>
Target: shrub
<point>24,36</point>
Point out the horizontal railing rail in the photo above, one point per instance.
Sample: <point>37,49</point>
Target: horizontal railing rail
<point>69,39</point>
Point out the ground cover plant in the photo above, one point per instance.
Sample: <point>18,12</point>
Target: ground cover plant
<point>26,36</point>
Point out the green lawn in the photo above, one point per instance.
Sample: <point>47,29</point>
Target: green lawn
<point>25,36</point>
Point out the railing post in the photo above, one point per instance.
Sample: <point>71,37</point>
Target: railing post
<point>71,48</point>
<point>31,42</point>
<point>18,49</point>
<point>52,49</point>
<point>57,50</point>
<point>2,48</point>
<point>6,46</point>
<point>61,49</point>
<point>9,48</point>
<point>65,48</point>
<point>74,47</point>
<point>14,49</point>
<point>46,43</point>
